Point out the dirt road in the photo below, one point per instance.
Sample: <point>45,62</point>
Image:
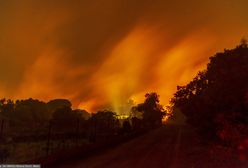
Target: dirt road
<point>167,147</point>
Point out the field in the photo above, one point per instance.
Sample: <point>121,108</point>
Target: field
<point>18,152</point>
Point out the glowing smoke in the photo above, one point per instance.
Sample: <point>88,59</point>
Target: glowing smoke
<point>101,54</point>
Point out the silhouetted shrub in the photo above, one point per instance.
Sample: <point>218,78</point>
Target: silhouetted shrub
<point>126,127</point>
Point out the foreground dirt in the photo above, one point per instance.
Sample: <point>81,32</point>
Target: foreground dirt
<point>171,146</point>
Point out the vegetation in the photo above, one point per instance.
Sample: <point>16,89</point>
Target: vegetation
<point>151,111</point>
<point>55,125</point>
<point>215,102</point>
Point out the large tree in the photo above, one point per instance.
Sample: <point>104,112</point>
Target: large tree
<point>29,112</point>
<point>104,121</point>
<point>151,111</point>
<point>67,120</point>
<point>217,98</point>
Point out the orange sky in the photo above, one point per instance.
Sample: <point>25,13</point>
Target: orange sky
<point>102,53</point>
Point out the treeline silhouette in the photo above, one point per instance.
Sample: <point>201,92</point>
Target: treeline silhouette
<point>55,123</point>
<point>215,102</point>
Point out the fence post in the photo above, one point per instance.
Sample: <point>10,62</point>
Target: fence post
<point>48,138</point>
<point>2,126</point>
<point>95,130</point>
<point>77,132</point>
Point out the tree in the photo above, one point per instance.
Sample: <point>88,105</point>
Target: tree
<point>55,104</point>
<point>65,119</point>
<point>243,43</point>
<point>104,121</point>
<point>83,113</point>
<point>31,110</point>
<point>103,124</point>
<point>126,127</point>
<point>218,96</point>
<point>7,108</point>
<point>24,116</point>
<point>152,112</point>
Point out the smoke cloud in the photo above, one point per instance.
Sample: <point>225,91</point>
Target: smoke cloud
<point>100,54</point>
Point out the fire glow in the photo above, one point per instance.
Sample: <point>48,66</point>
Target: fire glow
<point>139,64</point>
<point>102,54</point>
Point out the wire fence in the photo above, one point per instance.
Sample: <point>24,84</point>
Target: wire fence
<point>20,143</point>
